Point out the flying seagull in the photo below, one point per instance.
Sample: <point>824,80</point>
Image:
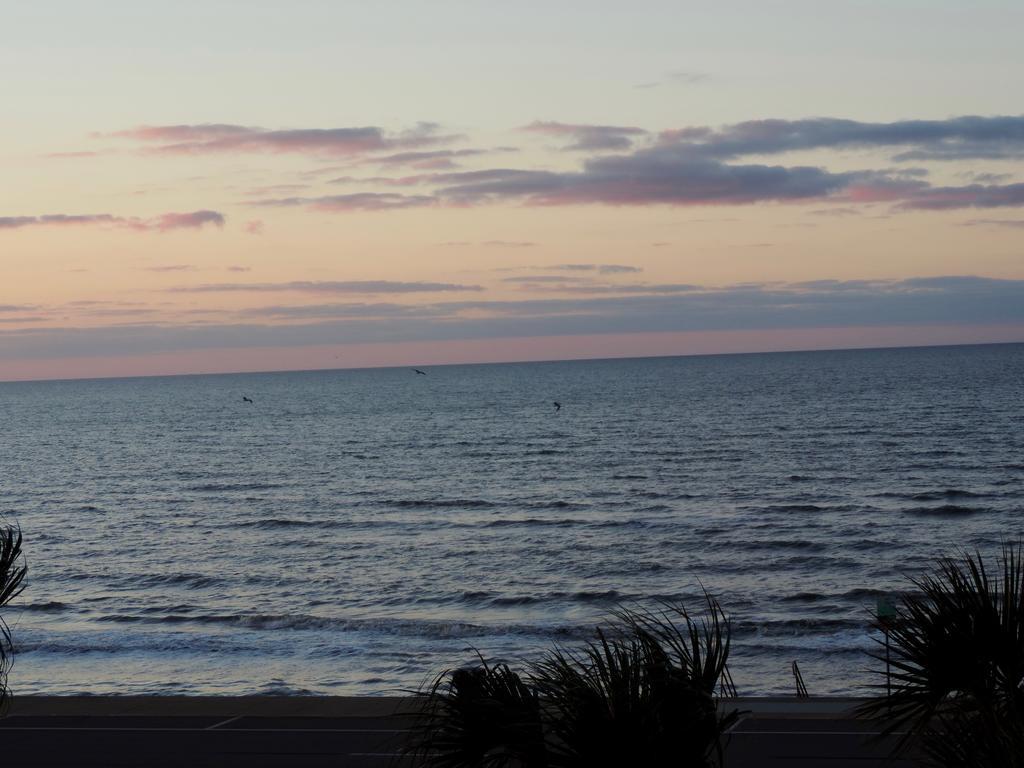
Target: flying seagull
<point>558,406</point>
<point>246,399</point>
<point>421,373</point>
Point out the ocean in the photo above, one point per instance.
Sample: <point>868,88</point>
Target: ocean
<point>357,531</point>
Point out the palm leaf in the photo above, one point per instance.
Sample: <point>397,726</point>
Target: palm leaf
<point>957,660</point>
<point>643,690</point>
<point>12,576</point>
<point>482,716</point>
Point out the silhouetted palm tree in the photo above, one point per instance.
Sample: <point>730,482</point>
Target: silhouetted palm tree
<point>483,716</point>
<point>642,693</point>
<point>12,574</point>
<point>958,664</point>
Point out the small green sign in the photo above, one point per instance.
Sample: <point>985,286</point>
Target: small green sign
<point>885,609</point>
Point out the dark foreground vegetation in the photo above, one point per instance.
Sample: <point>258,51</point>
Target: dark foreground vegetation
<point>12,576</point>
<point>644,689</point>
<point>957,662</point>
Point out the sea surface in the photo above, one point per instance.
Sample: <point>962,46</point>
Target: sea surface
<point>355,532</point>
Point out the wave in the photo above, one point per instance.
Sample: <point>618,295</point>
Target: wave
<point>441,503</point>
<point>824,562</point>
<point>422,628</point>
<point>559,522</point>
<point>105,642</point>
<point>946,510</point>
<point>842,641</point>
<point>938,495</point>
<point>134,581</point>
<point>281,522</point>
<point>558,504</point>
<point>771,508</point>
<point>648,494</point>
<point>775,544</point>
<point>178,634</point>
<point>52,606</point>
<point>799,626</point>
<point>851,594</point>
<point>190,580</point>
<point>36,538</point>
<point>606,596</point>
<point>949,493</point>
<point>215,487</point>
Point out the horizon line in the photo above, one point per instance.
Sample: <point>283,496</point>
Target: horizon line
<point>867,348</point>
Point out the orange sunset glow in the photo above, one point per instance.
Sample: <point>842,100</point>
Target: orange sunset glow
<point>668,212</point>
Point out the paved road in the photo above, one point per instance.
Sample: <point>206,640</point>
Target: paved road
<point>361,742</point>
<point>809,742</point>
<point>351,735</point>
<point>191,741</point>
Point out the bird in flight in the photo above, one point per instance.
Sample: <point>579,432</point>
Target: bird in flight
<point>558,406</point>
<point>246,399</point>
<point>421,373</point>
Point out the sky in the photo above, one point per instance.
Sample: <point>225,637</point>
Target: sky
<point>224,186</point>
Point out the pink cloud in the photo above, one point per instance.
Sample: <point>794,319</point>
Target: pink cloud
<point>646,177</point>
<point>195,220</point>
<point>164,222</point>
<point>184,133</point>
<point>172,268</point>
<point>836,212</point>
<point>437,164</point>
<point>57,220</point>
<point>970,196</point>
<point>328,286</point>
<point>222,138</point>
<point>589,137</point>
<point>881,190</point>
<point>254,227</point>
<point>440,159</point>
<point>384,181</point>
<point>365,201</point>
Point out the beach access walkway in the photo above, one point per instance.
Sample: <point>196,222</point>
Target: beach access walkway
<point>358,732</point>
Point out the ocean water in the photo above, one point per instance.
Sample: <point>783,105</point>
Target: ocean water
<point>354,532</point>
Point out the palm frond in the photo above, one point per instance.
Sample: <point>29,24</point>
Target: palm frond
<point>957,661</point>
<point>12,577</point>
<point>484,716</point>
<point>642,691</point>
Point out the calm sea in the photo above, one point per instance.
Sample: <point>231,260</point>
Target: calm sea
<point>351,532</point>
